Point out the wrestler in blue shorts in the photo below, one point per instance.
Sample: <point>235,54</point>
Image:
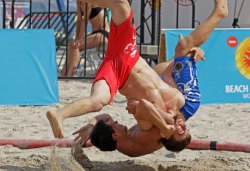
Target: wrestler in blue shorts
<point>185,76</point>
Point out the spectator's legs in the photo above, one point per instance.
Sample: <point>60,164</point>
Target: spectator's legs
<point>93,41</point>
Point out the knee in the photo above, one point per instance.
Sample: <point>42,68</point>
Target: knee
<point>97,105</point>
<point>184,45</point>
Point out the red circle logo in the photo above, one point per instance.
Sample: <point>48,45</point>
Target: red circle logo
<point>232,41</point>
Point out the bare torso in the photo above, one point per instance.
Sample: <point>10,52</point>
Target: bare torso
<point>136,139</point>
<point>144,83</point>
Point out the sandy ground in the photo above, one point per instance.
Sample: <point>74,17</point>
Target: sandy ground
<point>213,122</point>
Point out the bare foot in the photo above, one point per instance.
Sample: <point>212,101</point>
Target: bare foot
<point>55,123</point>
<point>222,7</point>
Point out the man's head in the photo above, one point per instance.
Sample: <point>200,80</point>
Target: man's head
<point>174,145</point>
<point>107,135</point>
<point>101,137</point>
<point>181,137</point>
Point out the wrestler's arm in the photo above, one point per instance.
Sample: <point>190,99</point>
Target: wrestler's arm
<point>147,116</point>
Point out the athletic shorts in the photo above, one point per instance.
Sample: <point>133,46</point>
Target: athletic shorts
<point>185,76</point>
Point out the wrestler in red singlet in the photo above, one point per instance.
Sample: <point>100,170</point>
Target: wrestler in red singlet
<point>121,55</point>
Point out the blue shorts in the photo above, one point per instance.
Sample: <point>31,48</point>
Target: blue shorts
<point>185,76</point>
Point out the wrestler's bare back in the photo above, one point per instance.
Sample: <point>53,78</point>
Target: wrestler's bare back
<point>136,138</point>
<point>144,83</point>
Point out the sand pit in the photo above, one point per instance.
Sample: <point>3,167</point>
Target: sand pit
<point>228,122</point>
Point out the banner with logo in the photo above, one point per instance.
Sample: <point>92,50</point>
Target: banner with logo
<point>225,75</point>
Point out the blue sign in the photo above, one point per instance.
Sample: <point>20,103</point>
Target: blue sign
<point>225,75</point>
<point>28,69</point>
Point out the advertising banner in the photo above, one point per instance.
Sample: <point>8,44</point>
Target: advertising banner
<point>28,69</point>
<point>225,75</point>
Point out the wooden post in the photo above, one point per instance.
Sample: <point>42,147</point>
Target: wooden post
<point>162,56</point>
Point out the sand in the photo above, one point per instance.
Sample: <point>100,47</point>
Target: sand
<point>228,122</point>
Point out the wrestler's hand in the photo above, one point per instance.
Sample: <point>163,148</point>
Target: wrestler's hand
<point>168,132</point>
<point>131,106</point>
<point>198,54</point>
<point>83,134</point>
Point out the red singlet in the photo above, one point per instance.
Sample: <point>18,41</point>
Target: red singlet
<point>121,55</point>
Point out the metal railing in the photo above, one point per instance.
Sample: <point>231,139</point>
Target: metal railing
<point>193,13</point>
<point>152,25</point>
<point>63,23</point>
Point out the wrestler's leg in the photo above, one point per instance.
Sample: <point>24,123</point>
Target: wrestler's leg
<point>185,71</point>
<point>196,38</point>
<point>202,32</point>
<point>99,97</point>
<point>164,70</point>
<point>159,68</point>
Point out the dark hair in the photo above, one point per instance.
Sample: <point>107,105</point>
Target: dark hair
<point>173,145</point>
<point>101,137</point>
